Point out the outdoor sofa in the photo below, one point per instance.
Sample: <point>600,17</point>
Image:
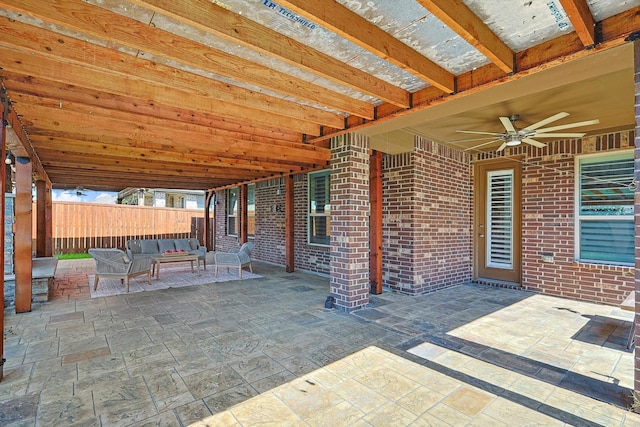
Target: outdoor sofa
<point>156,247</point>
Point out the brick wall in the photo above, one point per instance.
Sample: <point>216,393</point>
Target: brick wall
<point>270,224</point>
<point>270,227</point>
<point>548,222</point>
<point>427,243</point>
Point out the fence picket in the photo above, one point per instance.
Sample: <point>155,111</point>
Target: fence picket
<point>77,227</point>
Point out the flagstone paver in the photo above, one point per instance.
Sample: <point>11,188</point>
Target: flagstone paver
<point>243,352</point>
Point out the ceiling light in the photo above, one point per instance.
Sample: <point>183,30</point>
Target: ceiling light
<point>7,160</point>
<point>514,140</point>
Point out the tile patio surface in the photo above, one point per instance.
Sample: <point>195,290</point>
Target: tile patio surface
<point>266,352</point>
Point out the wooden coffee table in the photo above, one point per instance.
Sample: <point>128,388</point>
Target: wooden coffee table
<point>162,259</point>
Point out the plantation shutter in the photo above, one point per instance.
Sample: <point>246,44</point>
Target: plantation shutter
<point>500,219</point>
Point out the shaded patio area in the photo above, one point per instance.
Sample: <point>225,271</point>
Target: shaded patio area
<point>266,350</point>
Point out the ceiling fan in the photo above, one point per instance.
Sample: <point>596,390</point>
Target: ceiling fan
<point>78,191</point>
<point>513,137</point>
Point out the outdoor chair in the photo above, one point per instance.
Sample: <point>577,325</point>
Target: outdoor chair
<point>235,259</point>
<point>115,264</point>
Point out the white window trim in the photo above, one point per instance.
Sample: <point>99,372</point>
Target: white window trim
<point>316,215</point>
<point>227,193</point>
<point>576,209</point>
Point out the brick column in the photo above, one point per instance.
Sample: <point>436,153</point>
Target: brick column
<point>636,54</point>
<point>350,221</point>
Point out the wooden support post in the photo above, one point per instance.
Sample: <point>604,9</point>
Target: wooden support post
<point>244,213</point>
<point>375,222</point>
<point>44,237</point>
<point>208,240</point>
<point>3,174</point>
<point>289,221</point>
<point>22,236</point>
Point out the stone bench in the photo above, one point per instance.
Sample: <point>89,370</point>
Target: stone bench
<point>43,271</point>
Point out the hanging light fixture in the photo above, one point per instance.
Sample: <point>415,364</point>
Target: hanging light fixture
<point>514,140</point>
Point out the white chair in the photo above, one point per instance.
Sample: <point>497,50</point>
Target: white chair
<point>115,264</point>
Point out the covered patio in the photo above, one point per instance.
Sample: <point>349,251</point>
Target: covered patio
<point>407,151</point>
<point>264,350</point>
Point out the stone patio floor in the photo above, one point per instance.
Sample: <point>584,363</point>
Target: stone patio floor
<point>266,352</point>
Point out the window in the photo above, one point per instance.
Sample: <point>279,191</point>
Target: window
<point>319,208</point>
<point>605,208</point>
<point>232,211</point>
<point>251,210</point>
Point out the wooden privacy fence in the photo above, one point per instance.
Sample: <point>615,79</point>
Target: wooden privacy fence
<point>76,227</point>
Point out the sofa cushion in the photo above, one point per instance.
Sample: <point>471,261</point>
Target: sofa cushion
<point>133,247</point>
<point>149,246</point>
<point>183,244</point>
<point>194,244</point>
<point>166,245</point>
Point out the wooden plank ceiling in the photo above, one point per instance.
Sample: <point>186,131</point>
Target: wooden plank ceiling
<point>202,94</point>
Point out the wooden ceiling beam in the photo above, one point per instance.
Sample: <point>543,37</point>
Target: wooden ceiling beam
<point>158,133</point>
<point>168,169</point>
<point>117,29</point>
<point>79,126</point>
<point>58,147</point>
<point>64,178</point>
<point>457,16</point>
<point>17,140</point>
<point>218,21</point>
<point>65,49</point>
<point>580,16</point>
<point>51,94</point>
<point>359,31</point>
<point>112,83</point>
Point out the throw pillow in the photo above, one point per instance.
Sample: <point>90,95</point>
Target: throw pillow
<point>182,244</point>
<point>149,246</point>
<point>166,245</point>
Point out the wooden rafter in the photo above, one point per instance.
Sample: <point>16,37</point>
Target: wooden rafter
<point>353,27</point>
<point>75,52</point>
<point>538,58</point>
<point>111,83</point>
<point>582,20</point>
<point>457,16</point>
<point>214,19</point>
<point>116,29</point>
<point>52,94</point>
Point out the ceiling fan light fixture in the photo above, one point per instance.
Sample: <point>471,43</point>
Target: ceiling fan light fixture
<point>513,141</point>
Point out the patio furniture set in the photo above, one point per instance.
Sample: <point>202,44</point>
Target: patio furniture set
<point>144,257</point>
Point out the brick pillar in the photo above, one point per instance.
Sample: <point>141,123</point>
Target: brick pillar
<point>349,274</point>
<point>636,53</point>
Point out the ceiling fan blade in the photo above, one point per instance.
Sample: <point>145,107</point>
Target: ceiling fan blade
<point>482,145</point>
<point>502,147</point>
<point>479,133</point>
<point>482,138</point>
<point>506,122</point>
<point>534,142</point>
<point>547,120</point>
<point>561,135</point>
<point>569,126</point>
